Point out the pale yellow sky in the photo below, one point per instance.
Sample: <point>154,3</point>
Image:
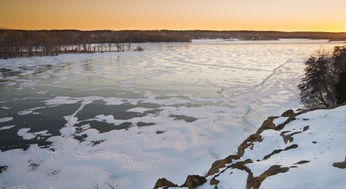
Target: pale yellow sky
<point>285,15</point>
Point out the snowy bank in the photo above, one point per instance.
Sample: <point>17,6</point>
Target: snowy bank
<point>295,150</point>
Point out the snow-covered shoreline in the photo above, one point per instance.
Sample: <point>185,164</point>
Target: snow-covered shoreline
<point>303,149</point>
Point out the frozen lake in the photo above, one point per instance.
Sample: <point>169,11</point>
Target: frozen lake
<point>129,118</point>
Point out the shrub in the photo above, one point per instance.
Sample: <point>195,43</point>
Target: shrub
<point>139,49</point>
<point>324,83</point>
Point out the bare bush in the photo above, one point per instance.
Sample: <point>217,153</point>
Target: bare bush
<point>139,49</point>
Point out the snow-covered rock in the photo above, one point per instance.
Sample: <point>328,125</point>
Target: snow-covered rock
<point>307,151</point>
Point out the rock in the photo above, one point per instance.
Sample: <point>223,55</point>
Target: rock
<point>340,165</point>
<point>221,163</point>
<point>164,183</point>
<point>288,113</point>
<point>216,166</point>
<point>267,124</point>
<point>255,182</point>
<point>254,138</point>
<point>3,168</point>
<point>192,181</point>
<point>214,181</point>
<point>306,128</point>
<point>160,132</point>
<point>302,162</point>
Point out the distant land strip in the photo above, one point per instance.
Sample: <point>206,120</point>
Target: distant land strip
<point>26,43</point>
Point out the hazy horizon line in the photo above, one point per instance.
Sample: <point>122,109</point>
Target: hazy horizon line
<point>178,30</point>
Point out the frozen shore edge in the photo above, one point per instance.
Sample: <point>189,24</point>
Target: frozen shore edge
<point>240,160</point>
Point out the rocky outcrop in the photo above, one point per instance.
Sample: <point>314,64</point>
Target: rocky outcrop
<point>262,154</point>
<point>288,113</point>
<point>164,183</point>
<point>340,165</point>
<point>192,181</point>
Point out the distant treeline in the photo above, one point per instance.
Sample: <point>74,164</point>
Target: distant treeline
<point>259,35</point>
<point>24,43</point>
<point>20,43</point>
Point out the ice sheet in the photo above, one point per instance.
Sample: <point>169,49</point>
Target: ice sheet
<point>129,118</point>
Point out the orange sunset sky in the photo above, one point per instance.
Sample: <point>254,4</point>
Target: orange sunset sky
<point>285,15</point>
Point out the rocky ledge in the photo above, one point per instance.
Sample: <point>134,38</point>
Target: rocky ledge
<point>303,149</point>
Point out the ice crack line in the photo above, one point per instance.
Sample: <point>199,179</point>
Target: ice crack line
<point>274,72</point>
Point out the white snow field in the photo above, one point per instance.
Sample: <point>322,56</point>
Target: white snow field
<point>319,139</point>
<point>126,119</point>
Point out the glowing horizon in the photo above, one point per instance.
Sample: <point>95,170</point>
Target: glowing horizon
<point>273,15</point>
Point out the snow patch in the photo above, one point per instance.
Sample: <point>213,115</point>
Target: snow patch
<point>5,119</point>
<point>7,127</point>
<point>24,133</point>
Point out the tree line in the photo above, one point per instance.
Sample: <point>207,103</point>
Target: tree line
<point>24,43</point>
<point>21,43</point>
